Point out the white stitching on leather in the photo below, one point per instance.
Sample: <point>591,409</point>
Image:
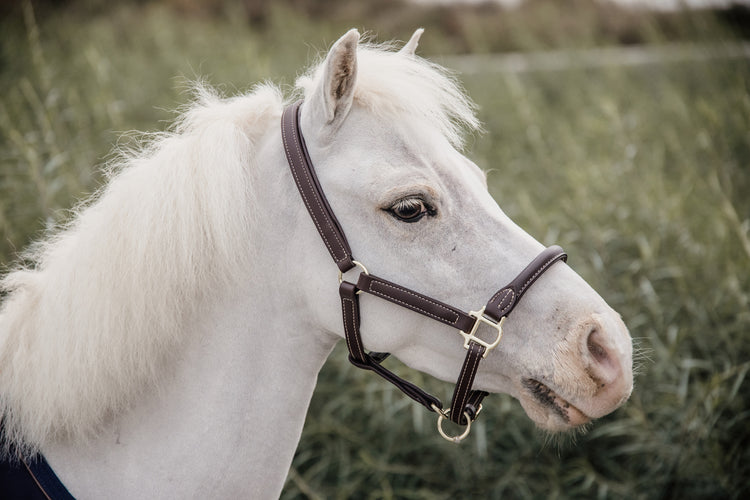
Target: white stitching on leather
<point>539,271</point>
<point>461,381</point>
<point>317,201</point>
<point>346,327</point>
<point>507,292</point>
<point>411,306</point>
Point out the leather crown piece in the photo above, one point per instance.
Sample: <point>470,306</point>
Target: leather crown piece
<point>466,402</point>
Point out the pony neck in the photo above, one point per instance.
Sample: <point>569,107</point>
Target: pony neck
<point>226,419</point>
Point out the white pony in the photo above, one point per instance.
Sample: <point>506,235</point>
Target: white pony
<point>166,343</point>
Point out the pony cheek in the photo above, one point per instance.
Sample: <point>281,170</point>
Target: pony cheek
<point>388,328</point>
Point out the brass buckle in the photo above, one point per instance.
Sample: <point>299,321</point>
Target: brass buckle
<point>471,336</point>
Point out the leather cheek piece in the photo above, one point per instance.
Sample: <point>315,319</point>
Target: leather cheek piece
<point>309,187</point>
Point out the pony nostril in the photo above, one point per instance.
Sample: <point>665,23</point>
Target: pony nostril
<point>606,373</point>
<point>604,365</point>
<point>596,349</point>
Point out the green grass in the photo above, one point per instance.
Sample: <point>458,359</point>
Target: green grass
<point>642,174</point>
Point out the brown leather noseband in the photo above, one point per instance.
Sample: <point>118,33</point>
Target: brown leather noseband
<point>466,402</point>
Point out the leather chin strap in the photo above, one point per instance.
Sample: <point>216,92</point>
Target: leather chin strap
<point>466,402</point>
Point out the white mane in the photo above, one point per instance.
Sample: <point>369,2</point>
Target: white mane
<point>89,324</point>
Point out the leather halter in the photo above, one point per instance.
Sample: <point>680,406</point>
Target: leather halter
<point>466,402</point>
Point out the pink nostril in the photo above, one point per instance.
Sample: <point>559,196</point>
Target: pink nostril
<point>606,370</point>
<point>604,365</point>
<point>595,347</point>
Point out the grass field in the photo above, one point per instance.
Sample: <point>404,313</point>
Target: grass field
<point>641,173</point>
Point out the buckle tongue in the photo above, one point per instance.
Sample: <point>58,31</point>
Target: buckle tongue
<point>471,336</point>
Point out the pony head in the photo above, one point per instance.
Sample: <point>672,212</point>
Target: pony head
<point>384,131</point>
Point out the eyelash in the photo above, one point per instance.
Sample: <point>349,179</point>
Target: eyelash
<point>411,209</point>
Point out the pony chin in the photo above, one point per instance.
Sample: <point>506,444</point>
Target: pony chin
<point>548,410</point>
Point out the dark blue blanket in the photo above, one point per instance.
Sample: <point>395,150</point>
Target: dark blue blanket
<point>28,479</point>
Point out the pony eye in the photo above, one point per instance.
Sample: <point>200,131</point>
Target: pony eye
<point>410,209</point>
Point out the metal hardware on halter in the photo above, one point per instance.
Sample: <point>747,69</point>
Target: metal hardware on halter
<point>445,414</point>
<point>357,264</point>
<point>471,336</point>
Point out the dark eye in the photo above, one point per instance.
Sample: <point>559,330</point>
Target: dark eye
<point>411,209</point>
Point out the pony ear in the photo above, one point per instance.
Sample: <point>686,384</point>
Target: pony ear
<point>333,98</point>
<point>410,48</point>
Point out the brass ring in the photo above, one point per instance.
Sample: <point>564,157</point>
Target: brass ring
<point>442,415</point>
<point>357,264</point>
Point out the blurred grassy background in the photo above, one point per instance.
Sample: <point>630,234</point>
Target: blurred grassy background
<point>641,172</point>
